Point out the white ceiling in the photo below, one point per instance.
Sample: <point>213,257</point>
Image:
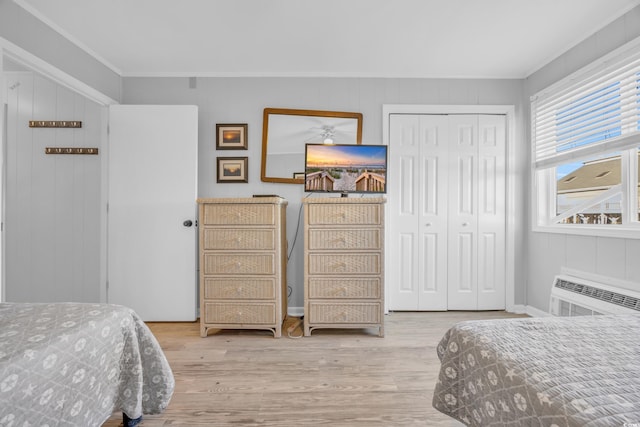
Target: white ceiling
<point>359,38</point>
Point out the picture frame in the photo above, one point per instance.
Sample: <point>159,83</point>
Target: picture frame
<point>231,136</point>
<point>232,169</point>
<point>298,175</point>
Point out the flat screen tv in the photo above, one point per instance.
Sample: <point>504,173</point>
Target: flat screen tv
<point>345,168</point>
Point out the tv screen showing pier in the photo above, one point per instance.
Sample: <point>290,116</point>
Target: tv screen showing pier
<point>345,168</point>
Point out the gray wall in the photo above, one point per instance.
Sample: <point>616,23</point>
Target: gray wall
<point>24,30</point>
<point>242,100</point>
<point>547,252</point>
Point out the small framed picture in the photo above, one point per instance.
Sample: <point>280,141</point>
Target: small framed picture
<point>231,136</point>
<point>298,175</point>
<point>232,169</point>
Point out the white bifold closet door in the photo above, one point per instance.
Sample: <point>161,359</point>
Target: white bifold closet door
<point>447,223</point>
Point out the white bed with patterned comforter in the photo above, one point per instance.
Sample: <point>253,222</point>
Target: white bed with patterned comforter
<point>557,372</point>
<point>73,364</point>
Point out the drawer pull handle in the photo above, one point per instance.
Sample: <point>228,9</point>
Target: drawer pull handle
<point>233,215</point>
<point>338,266</point>
<point>232,264</point>
<point>239,290</point>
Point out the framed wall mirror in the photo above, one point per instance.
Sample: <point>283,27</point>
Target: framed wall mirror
<point>285,133</point>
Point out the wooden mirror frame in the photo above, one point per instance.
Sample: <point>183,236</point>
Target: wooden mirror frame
<point>292,112</point>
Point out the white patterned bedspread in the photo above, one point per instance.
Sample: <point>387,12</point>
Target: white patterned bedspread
<point>73,364</point>
<point>555,371</point>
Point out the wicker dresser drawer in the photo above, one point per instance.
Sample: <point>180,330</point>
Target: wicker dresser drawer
<point>239,313</point>
<point>233,238</point>
<point>320,239</point>
<point>238,214</point>
<point>344,288</point>
<point>252,288</point>
<point>333,312</point>
<point>344,263</point>
<point>347,214</point>
<point>331,263</point>
<point>241,263</point>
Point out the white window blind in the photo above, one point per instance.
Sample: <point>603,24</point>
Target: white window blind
<point>595,110</point>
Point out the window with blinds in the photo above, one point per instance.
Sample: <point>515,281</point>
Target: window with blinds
<point>585,139</point>
<point>600,109</point>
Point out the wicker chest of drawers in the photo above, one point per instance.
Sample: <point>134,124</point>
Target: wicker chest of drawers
<point>242,263</point>
<point>344,263</point>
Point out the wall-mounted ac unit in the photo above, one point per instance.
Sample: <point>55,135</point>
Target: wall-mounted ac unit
<point>575,296</point>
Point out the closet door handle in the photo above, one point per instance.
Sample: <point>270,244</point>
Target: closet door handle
<point>464,224</point>
<point>188,223</point>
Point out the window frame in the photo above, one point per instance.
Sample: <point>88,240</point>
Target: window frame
<point>543,169</point>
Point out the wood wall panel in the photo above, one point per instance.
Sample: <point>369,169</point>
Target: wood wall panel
<point>52,218</point>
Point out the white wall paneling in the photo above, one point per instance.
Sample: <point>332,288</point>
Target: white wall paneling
<point>631,256</point>
<point>52,216</point>
<point>610,257</point>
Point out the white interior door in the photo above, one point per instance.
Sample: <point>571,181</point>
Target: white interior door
<point>152,193</point>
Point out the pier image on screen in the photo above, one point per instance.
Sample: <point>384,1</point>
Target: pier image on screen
<point>346,168</point>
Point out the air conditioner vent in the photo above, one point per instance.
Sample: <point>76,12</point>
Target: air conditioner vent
<point>571,295</point>
<point>600,294</point>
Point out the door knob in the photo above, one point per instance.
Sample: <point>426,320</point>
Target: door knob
<point>464,224</point>
<point>188,223</point>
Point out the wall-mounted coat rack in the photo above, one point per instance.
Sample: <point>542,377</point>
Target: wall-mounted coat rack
<point>55,124</point>
<point>70,150</point>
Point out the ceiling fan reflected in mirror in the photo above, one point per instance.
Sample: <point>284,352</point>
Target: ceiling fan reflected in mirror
<point>326,134</point>
<point>286,131</point>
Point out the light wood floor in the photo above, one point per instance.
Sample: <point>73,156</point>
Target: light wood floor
<point>336,378</point>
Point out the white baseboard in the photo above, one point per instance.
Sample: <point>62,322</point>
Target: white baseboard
<point>535,312</point>
<point>518,309</point>
<point>527,309</point>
